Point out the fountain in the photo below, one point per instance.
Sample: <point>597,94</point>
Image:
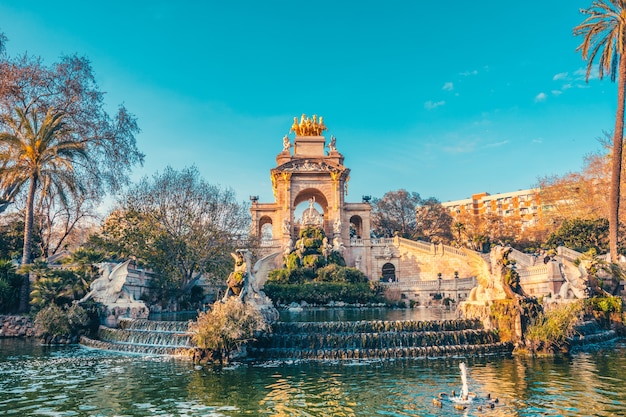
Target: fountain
<point>466,398</point>
<point>144,336</point>
<point>110,291</point>
<point>339,340</point>
<point>464,389</point>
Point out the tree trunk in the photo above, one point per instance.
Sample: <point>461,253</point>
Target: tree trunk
<point>27,250</point>
<point>616,162</point>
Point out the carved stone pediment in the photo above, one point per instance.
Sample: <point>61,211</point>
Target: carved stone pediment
<point>309,165</point>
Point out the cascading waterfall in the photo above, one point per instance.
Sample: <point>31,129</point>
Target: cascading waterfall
<point>318,340</point>
<point>375,339</point>
<point>144,336</point>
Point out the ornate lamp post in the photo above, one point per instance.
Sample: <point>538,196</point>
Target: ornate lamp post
<point>439,285</point>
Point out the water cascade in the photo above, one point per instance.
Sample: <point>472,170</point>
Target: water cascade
<point>317,340</point>
<point>144,336</point>
<point>376,339</point>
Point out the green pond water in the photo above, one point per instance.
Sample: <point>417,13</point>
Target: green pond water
<point>76,381</point>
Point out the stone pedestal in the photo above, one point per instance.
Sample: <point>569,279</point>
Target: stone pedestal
<point>123,309</point>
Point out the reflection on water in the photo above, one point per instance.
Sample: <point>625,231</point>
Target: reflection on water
<point>174,316</point>
<point>321,314</point>
<point>75,381</point>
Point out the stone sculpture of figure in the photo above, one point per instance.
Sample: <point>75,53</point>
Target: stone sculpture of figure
<point>252,284</point>
<point>310,216</point>
<point>286,143</point>
<point>286,227</point>
<point>308,127</point>
<point>338,245</point>
<point>288,247</point>
<point>357,262</point>
<point>238,280</point>
<point>337,226</point>
<point>108,288</point>
<point>295,127</point>
<point>325,247</point>
<point>321,127</point>
<point>332,146</point>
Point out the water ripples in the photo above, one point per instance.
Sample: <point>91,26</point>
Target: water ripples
<point>76,381</point>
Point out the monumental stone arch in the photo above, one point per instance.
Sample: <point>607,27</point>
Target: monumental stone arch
<point>310,173</point>
<point>310,170</point>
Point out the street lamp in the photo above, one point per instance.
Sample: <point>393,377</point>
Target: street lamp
<point>439,285</point>
<point>456,285</point>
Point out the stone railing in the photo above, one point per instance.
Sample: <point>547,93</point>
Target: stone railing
<point>522,259</point>
<point>423,246</point>
<point>568,253</point>
<point>432,248</point>
<point>539,270</point>
<point>270,243</point>
<point>433,284</point>
<point>372,242</point>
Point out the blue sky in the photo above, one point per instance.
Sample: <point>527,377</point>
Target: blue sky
<point>442,98</point>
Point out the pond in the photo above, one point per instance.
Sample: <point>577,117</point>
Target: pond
<point>321,314</point>
<point>76,381</point>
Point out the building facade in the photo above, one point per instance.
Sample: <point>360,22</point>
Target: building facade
<point>523,204</point>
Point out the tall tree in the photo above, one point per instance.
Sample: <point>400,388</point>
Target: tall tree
<point>604,38</point>
<point>28,86</point>
<point>39,154</point>
<point>434,223</point>
<point>395,213</point>
<point>62,103</point>
<point>179,225</point>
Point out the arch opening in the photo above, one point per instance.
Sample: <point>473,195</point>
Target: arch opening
<point>388,273</point>
<point>356,227</point>
<point>266,231</point>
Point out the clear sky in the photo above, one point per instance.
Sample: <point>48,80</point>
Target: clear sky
<point>442,98</point>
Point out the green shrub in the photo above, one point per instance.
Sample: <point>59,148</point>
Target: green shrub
<point>313,232</point>
<point>54,323</point>
<point>226,326</point>
<point>278,275</point>
<point>550,330</point>
<point>313,261</point>
<point>293,261</point>
<point>336,258</point>
<point>10,283</point>
<point>320,292</point>
<point>606,305</point>
<point>336,273</point>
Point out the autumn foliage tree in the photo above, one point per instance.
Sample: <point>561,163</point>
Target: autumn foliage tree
<point>410,216</point>
<point>179,225</point>
<point>58,144</point>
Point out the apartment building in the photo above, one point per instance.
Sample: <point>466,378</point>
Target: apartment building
<point>525,204</point>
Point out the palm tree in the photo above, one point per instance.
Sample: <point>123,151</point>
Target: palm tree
<point>459,228</point>
<point>40,154</point>
<point>604,32</point>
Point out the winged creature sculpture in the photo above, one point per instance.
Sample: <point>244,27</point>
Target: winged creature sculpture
<point>110,286</point>
<point>247,281</point>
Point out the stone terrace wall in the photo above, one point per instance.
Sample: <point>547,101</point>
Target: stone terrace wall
<point>16,326</point>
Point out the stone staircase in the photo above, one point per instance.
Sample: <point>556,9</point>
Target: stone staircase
<point>376,339</point>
